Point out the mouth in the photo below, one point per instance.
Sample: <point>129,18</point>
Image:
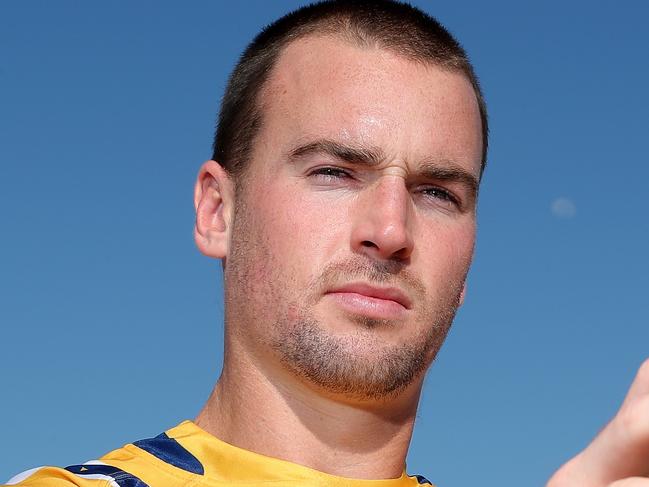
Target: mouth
<point>372,301</point>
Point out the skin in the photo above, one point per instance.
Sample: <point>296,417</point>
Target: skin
<point>619,455</point>
<point>305,221</point>
<point>310,217</point>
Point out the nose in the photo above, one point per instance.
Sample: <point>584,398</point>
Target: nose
<point>382,221</point>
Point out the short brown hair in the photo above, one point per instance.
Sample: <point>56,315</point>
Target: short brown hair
<point>388,24</point>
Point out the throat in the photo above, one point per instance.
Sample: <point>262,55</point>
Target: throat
<point>285,419</point>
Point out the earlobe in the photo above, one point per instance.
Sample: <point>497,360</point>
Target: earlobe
<point>213,200</point>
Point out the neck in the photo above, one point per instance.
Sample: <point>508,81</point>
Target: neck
<point>275,414</point>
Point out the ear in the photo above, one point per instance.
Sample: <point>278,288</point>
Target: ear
<point>214,203</point>
<point>463,293</point>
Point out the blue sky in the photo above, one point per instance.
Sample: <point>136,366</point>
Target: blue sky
<point>111,319</point>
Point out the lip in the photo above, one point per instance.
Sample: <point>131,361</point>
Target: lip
<point>379,302</point>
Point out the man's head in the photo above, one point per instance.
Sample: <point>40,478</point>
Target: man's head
<point>348,232</point>
<point>390,25</point>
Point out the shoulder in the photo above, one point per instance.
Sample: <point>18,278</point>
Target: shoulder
<point>88,475</point>
<point>157,461</point>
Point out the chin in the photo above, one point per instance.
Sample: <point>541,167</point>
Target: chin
<point>360,363</point>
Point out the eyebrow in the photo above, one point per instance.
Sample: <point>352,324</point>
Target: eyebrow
<point>368,156</point>
<point>371,156</point>
<point>450,171</point>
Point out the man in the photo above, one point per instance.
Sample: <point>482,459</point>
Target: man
<point>341,200</point>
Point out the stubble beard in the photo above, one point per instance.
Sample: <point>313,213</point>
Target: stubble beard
<point>356,365</point>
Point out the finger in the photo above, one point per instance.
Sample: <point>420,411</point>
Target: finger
<point>631,482</point>
<point>621,450</point>
<point>640,385</point>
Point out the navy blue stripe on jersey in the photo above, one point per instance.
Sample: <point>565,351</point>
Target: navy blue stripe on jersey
<point>121,478</point>
<point>170,451</point>
<point>423,480</point>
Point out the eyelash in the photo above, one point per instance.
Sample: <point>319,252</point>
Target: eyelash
<point>334,173</point>
<point>331,173</point>
<point>442,194</point>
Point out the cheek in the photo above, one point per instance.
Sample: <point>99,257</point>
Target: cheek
<point>447,250</point>
<point>301,228</point>
<point>281,236</point>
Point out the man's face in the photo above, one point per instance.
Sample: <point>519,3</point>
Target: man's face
<point>354,224</point>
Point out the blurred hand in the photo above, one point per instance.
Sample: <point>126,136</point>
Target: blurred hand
<point>619,455</point>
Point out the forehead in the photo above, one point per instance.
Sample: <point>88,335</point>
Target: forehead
<point>328,87</point>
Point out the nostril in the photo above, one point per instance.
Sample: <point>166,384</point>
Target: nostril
<point>368,243</point>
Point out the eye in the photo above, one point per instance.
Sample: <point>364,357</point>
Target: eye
<point>441,195</point>
<point>329,173</point>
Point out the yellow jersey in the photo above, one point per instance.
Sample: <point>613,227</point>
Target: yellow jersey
<point>187,456</point>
